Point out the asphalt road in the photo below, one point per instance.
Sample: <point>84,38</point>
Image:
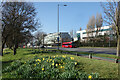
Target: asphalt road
<point>93,50</point>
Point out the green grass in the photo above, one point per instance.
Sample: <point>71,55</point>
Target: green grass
<point>95,54</point>
<point>104,68</point>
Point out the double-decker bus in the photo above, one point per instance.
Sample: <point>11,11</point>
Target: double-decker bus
<point>68,45</point>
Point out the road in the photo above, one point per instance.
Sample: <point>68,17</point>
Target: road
<point>93,50</point>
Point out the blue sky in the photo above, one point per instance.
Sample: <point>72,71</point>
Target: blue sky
<point>72,17</point>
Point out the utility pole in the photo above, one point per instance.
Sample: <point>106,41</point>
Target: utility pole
<point>58,26</point>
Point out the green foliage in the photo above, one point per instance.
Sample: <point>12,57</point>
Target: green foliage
<point>48,67</point>
<point>14,65</point>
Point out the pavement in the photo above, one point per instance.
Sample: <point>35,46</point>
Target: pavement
<point>92,50</point>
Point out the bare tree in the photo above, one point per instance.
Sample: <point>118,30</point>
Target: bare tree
<point>80,28</point>
<point>18,21</point>
<point>39,37</point>
<point>71,33</point>
<point>90,27</point>
<point>99,22</point>
<point>112,17</point>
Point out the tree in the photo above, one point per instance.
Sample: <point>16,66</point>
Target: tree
<point>90,27</point>
<point>18,19</point>
<point>112,17</point>
<point>80,28</point>
<point>0,31</point>
<point>99,22</point>
<point>39,37</point>
<point>71,34</point>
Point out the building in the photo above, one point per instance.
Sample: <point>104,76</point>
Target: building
<point>82,35</point>
<point>52,38</point>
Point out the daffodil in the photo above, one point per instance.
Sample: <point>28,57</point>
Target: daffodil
<point>89,76</point>
<point>36,60</point>
<point>53,56</point>
<point>56,65</point>
<point>38,63</point>
<point>75,63</point>
<point>53,61</point>
<point>72,58</point>
<point>59,64</point>
<point>43,69</point>
<point>39,60</point>
<point>43,59</point>
<point>63,56</point>
<point>53,64</point>
<point>34,64</point>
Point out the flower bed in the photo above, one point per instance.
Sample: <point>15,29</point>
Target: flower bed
<point>48,67</point>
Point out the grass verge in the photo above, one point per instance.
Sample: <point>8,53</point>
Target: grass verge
<point>104,68</point>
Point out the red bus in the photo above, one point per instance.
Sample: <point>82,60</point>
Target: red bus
<point>68,45</point>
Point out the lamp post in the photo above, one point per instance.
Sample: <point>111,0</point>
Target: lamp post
<point>58,26</point>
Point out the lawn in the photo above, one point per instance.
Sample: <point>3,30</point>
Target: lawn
<point>105,69</point>
<point>95,54</point>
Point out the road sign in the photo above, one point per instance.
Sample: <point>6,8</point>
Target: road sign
<point>57,38</point>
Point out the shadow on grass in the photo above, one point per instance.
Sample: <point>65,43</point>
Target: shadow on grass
<point>6,63</point>
<point>36,52</point>
<point>7,53</point>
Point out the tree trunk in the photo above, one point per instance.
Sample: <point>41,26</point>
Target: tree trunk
<point>1,41</point>
<point>2,48</point>
<point>118,46</point>
<point>15,48</point>
<point>14,51</point>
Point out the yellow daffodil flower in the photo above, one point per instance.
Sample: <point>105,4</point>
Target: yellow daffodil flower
<point>43,69</point>
<point>72,58</point>
<point>43,59</point>
<point>53,64</point>
<point>63,56</point>
<point>89,76</point>
<point>75,63</point>
<point>61,66</point>
<point>34,64</point>
<point>56,64</point>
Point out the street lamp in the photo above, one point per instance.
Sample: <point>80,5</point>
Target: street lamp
<point>58,25</point>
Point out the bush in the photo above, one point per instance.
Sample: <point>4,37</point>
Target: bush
<point>49,67</point>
